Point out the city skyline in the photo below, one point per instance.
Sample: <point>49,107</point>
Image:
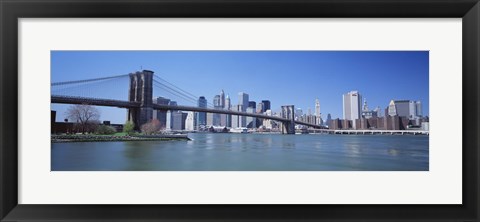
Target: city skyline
<point>299,91</point>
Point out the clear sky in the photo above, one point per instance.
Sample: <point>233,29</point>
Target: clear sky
<point>283,77</point>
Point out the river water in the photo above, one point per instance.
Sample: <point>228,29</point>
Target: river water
<point>248,152</point>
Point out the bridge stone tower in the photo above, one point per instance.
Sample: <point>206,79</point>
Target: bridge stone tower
<point>141,91</point>
<point>288,112</point>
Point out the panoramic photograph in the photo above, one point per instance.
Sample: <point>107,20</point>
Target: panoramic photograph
<point>239,110</point>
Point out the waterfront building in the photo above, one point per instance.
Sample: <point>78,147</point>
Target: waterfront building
<point>161,115</point>
<point>190,121</point>
<point>179,118</point>
<point>352,106</point>
<point>201,116</point>
<point>266,105</point>
<point>170,120</point>
<point>335,124</point>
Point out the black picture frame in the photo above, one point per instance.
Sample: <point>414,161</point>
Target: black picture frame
<point>11,11</point>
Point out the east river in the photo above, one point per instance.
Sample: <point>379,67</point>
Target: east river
<point>248,152</point>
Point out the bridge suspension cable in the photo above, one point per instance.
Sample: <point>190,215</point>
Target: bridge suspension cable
<point>87,80</point>
<point>106,87</point>
<point>174,86</point>
<point>175,90</point>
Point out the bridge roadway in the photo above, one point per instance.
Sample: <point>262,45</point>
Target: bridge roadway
<point>127,104</point>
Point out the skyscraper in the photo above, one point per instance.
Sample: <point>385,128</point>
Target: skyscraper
<point>243,100</point>
<point>161,115</point>
<point>201,116</point>
<point>228,106</point>
<point>228,103</point>
<point>318,117</point>
<point>260,108</point>
<point>170,115</point>
<point>352,102</point>
<point>266,105</point>
<point>405,108</point>
<point>190,121</point>
<point>217,104</point>
<point>419,111</point>
<point>367,113</point>
<point>236,120</point>
<point>252,104</point>
<point>216,101</point>
<point>392,108</point>
<point>329,119</point>
<point>179,119</point>
<point>222,99</point>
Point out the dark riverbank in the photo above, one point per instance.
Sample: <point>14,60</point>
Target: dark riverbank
<point>114,138</point>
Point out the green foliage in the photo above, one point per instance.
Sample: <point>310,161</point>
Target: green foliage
<point>128,127</point>
<point>105,130</point>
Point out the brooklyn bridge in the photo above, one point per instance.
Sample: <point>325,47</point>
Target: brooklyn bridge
<point>140,103</point>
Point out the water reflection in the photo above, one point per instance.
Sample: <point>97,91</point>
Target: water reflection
<point>249,152</point>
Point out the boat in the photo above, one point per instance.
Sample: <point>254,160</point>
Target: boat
<point>239,130</point>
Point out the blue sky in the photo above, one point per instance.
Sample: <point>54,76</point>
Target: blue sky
<point>283,77</point>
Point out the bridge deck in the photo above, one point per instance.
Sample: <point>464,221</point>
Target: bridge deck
<point>127,104</point>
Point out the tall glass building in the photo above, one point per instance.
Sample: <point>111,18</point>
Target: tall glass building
<point>201,116</point>
<point>243,101</point>
<point>217,104</point>
<point>266,105</point>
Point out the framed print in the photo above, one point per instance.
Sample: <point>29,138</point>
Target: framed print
<point>226,110</point>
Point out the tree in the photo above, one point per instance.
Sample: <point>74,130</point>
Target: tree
<point>86,117</point>
<point>151,127</point>
<point>128,127</point>
<point>105,130</point>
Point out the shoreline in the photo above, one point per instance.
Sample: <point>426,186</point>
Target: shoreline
<point>112,138</point>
